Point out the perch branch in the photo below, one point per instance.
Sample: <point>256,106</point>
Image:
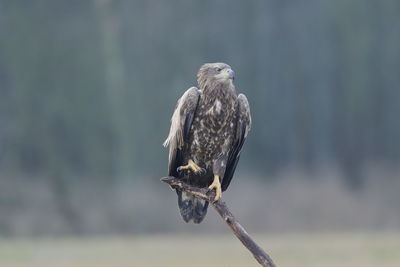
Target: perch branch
<point>226,215</point>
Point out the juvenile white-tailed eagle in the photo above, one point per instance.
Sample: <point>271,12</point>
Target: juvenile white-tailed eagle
<point>208,129</point>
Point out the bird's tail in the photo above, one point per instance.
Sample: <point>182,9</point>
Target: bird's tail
<point>191,207</point>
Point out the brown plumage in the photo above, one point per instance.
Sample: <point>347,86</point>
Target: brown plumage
<point>208,129</point>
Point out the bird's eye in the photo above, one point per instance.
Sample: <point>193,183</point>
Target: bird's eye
<point>218,69</point>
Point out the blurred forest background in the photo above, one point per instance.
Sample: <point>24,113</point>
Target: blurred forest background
<point>88,89</point>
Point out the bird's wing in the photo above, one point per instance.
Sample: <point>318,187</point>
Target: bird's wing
<point>181,122</point>
<point>243,125</point>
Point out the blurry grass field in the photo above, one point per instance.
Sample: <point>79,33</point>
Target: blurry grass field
<point>333,249</point>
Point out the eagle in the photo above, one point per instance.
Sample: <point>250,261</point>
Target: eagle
<point>208,129</point>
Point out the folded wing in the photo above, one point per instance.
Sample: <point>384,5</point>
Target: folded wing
<point>243,125</point>
<point>181,122</point>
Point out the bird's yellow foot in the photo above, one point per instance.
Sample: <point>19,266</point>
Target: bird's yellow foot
<point>217,186</point>
<point>193,167</point>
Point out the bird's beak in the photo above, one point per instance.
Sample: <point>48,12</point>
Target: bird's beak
<point>231,74</point>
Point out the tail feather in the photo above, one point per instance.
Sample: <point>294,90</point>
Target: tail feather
<point>199,210</point>
<point>191,208</point>
<point>185,204</point>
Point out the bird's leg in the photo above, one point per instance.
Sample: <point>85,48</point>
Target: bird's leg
<point>216,184</point>
<point>191,166</point>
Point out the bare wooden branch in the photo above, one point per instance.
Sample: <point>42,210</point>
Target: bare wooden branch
<point>220,206</point>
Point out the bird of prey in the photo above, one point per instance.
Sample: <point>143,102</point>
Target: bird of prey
<point>208,129</point>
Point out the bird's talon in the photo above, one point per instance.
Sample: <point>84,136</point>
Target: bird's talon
<point>217,186</point>
<point>201,171</point>
<point>190,166</point>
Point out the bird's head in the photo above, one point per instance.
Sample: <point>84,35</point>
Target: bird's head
<point>212,74</point>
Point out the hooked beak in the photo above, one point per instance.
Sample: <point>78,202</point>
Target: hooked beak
<point>231,74</point>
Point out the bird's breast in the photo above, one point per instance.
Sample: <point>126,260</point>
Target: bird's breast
<point>212,131</point>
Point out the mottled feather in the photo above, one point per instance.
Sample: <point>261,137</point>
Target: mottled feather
<point>243,126</point>
<point>209,127</point>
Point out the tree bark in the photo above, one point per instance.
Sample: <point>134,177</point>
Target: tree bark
<point>220,206</point>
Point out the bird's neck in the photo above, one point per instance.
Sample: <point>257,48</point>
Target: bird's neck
<point>219,91</point>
